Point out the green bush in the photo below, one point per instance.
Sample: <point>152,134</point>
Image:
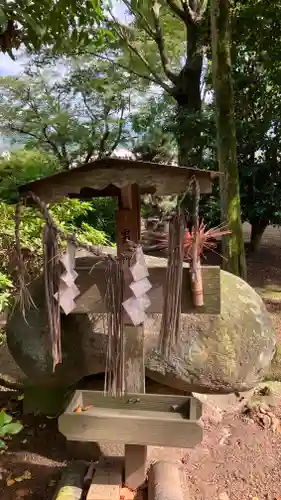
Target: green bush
<point>7,428</point>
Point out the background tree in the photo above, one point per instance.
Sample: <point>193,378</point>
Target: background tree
<point>233,250</point>
<point>257,92</point>
<point>77,119</point>
<point>58,24</point>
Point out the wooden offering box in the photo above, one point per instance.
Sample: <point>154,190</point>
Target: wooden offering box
<point>138,419</point>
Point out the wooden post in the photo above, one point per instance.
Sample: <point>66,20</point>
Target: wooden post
<point>128,227</point>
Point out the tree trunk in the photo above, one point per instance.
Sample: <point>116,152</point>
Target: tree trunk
<point>187,93</point>
<point>233,245</point>
<point>258,227</point>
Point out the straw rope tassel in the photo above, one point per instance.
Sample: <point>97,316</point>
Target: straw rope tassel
<point>114,373</point>
<point>51,279</point>
<point>170,324</point>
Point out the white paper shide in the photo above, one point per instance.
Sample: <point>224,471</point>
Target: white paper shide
<point>68,291</point>
<point>136,305</point>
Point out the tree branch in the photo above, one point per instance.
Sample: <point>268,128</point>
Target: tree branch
<point>89,154</point>
<point>118,29</point>
<point>145,25</point>
<point>92,117</point>
<point>105,133</point>
<point>120,130</point>
<point>20,130</point>
<point>194,10</point>
<point>160,41</point>
<point>176,9</point>
<point>62,156</point>
<point>149,78</point>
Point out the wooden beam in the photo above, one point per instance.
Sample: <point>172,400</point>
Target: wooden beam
<point>93,288</point>
<point>129,227</point>
<point>162,179</point>
<point>134,427</point>
<point>131,401</point>
<point>128,217</point>
<point>137,419</point>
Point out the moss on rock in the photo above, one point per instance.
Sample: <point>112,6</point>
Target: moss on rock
<point>217,353</point>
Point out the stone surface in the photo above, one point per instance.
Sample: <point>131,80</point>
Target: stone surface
<point>217,354</point>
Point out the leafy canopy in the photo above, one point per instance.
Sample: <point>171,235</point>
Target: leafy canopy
<point>56,23</point>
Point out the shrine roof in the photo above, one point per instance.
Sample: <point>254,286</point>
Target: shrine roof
<point>105,177</point>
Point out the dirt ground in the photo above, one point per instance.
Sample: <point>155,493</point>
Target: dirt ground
<point>238,459</point>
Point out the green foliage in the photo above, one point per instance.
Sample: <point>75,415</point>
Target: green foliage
<point>72,216</point>
<point>60,24</point>
<point>65,215</point>
<point>6,289</point>
<point>74,120</point>
<point>101,217</point>
<point>22,166</point>
<point>7,428</point>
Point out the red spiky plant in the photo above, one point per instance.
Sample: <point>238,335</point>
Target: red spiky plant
<point>155,241</point>
<point>206,239</point>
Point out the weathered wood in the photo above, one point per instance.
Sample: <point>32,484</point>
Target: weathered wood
<point>70,486</point>
<point>106,483</point>
<point>115,172</point>
<point>164,482</point>
<point>131,401</point>
<point>128,219</point>
<point>93,288</point>
<point>134,359</point>
<point>134,426</point>
<point>128,227</point>
<point>135,465</point>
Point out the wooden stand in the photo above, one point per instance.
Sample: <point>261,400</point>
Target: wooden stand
<point>136,419</point>
<point>128,227</point>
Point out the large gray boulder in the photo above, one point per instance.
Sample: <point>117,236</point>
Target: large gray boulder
<point>217,354</point>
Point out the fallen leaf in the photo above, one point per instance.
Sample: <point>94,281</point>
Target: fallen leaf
<point>78,410</point>
<point>127,494</point>
<point>25,476</point>
<point>86,408</point>
<point>10,482</point>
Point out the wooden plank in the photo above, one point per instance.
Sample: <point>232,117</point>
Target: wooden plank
<point>93,288</point>
<point>134,359</point>
<point>106,483</point>
<point>150,177</point>
<point>137,428</point>
<point>130,401</point>
<point>195,409</point>
<point>70,486</point>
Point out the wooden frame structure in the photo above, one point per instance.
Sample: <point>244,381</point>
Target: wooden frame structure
<point>151,421</point>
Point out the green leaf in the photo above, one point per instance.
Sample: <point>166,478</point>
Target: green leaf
<point>3,17</point>
<point>5,418</point>
<point>11,429</point>
<point>2,445</point>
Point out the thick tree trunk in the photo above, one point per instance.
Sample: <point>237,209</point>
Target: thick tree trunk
<point>233,246</point>
<point>187,93</point>
<point>257,229</point>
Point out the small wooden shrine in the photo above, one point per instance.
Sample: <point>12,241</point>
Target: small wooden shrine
<point>126,291</point>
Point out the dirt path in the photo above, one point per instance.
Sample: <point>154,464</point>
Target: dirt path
<point>237,460</point>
